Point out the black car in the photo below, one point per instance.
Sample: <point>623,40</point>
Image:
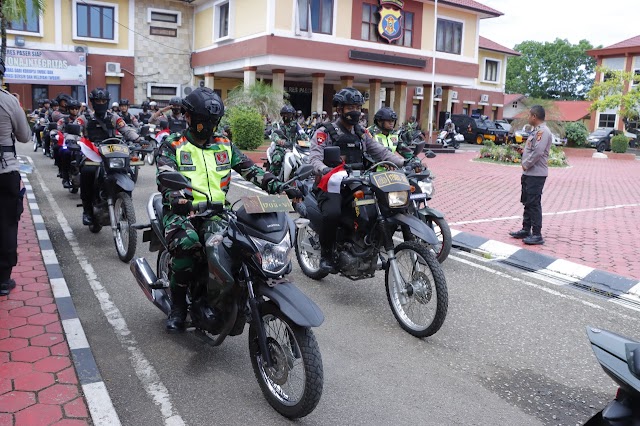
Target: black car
<point>476,129</point>
<point>600,139</point>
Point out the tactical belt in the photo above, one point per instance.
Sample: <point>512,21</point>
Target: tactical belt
<point>7,149</point>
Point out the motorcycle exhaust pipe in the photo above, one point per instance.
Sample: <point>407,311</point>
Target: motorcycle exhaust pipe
<point>145,277</point>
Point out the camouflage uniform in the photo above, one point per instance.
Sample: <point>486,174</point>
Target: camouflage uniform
<point>181,232</point>
<point>293,132</point>
<point>391,141</point>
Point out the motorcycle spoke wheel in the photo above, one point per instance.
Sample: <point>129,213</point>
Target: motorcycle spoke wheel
<point>293,384</point>
<point>308,253</point>
<point>443,233</point>
<point>419,302</point>
<point>125,236</point>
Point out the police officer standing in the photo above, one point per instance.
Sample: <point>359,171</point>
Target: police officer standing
<point>353,141</point>
<point>534,174</point>
<point>13,126</point>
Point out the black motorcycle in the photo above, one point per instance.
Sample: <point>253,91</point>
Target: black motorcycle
<point>72,133</point>
<point>375,205</point>
<point>284,353</point>
<point>619,357</point>
<point>112,205</point>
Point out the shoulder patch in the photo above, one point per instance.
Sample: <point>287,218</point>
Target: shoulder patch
<point>120,122</point>
<point>321,137</point>
<point>539,135</point>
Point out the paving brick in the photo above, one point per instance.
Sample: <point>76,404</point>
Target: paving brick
<point>30,354</point>
<point>12,322</point>
<point>4,314</point>
<point>27,331</point>
<point>8,304</point>
<point>55,327</point>
<point>45,293</point>
<point>34,381</point>
<point>42,319</point>
<point>6,419</point>
<point>68,376</point>
<point>12,344</point>
<point>52,308</point>
<point>11,370</point>
<point>47,339</point>
<point>39,301</point>
<point>4,357</point>
<point>34,274</point>
<point>23,295</point>
<point>76,408</point>
<point>4,333</point>
<point>25,311</point>
<point>36,287</point>
<point>60,349</point>
<point>13,401</point>
<point>5,386</point>
<point>71,422</point>
<point>52,364</point>
<point>58,394</point>
<point>39,414</point>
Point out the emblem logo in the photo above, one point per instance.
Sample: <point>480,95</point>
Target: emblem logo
<point>222,158</point>
<point>390,25</point>
<point>199,127</point>
<point>185,159</point>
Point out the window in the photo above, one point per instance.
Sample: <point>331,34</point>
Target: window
<point>95,21</point>
<point>491,70</point>
<point>321,14</point>
<point>31,23</point>
<point>79,93</point>
<point>608,75</point>
<point>369,27</point>
<point>39,92</point>
<point>164,32</point>
<point>159,89</point>
<point>449,36</point>
<point>607,120</point>
<point>171,18</point>
<point>514,104</point>
<point>222,20</point>
<point>636,77</point>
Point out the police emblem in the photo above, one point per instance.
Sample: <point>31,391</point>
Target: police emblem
<point>390,25</point>
<point>185,159</point>
<point>222,158</point>
<point>199,127</point>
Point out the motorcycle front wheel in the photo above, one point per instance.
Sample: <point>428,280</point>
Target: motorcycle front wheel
<point>35,143</point>
<point>419,301</point>
<point>125,235</point>
<point>293,384</point>
<point>308,253</point>
<point>441,228</point>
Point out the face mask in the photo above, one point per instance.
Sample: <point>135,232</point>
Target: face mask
<point>175,111</point>
<point>351,117</point>
<point>202,130</point>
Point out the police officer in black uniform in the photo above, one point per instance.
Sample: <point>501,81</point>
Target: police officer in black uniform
<point>100,126</point>
<point>353,141</point>
<point>128,118</point>
<point>145,114</point>
<point>177,121</point>
<point>13,126</point>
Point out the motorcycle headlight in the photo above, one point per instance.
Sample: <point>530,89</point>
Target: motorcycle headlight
<point>398,198</point>
<point>427,188</point>
<point>274,257</point>
<point>117,163</point>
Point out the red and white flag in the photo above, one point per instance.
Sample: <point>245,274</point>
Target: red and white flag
<point>90,150</point>
<point>332,181</point>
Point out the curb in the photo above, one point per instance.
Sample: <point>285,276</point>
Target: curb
<point>587,278</point>
<point>95,391</point>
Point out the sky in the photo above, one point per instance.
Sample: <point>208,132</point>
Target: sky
<point>603,23</point>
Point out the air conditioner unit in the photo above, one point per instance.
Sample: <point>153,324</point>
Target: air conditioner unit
<point>484,98</point>
<point>438,91</point>
<point>80,49</point>
<point>366,96</point>
<point>419,91</point>
<point>113,67</point>
<point>186,90</point>
<point>454,95</point>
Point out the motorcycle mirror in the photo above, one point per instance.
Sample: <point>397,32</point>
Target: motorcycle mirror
<point>173,180</point>
<point>144,130</point>
<point>332,156</point>
<point>304,171</point>
<point>72,129</point>
<point>430,154</point>
<point>633,358</point>
<point>418,147</point>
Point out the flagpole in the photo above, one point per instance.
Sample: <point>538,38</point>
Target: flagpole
<point>433,70</point>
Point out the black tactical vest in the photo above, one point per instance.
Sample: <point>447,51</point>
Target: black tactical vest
<point>177,125</point>
<point>144,117</point>
<point>98,130</point>
<point>350,144</point>
<point>127,118</point>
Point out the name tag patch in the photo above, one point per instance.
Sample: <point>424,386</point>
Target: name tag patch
<point>187,168</point>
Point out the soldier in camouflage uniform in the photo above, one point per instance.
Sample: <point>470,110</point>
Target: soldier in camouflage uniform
<point>284,134</point>
<point>206,158</point>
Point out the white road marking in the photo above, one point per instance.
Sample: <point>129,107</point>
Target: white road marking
<point>60,289</point>
<point>75,334</point>
<point>49,257</point>
<point>143,368</point>
<point>100,405</point>
<point>499,249</point>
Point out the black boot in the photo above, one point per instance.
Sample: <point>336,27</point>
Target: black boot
<point>523,233</point>
<point>87,218</point>
<point>327,263</point>
<point>7,286</point>
<point>178,314</point>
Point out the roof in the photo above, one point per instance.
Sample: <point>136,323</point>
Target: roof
<point>512,97</point>
<point>630,45</point>
<point>473,5</point>
<point>565,111</point>
<point>487,44</point>
<point>631,42</point>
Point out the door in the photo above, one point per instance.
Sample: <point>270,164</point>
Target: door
<point>38,92</point>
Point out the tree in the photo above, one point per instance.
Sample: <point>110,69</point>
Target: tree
<point>16,10</point>
<point>261,96</point>
<point>558,70</point>
<point>610,94</point>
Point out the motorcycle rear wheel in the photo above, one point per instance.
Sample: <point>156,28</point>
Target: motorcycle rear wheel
<point>126,236</point>
<point>309,262</point>
<point>150,158</point>
<point>411,301</point>
<point>296,358</point>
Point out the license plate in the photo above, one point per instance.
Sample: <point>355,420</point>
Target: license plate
<point>418,196</point>
<point>304,144</point>
<point>365,202</point>
<point>108,149</point>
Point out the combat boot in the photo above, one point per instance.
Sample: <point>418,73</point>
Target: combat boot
<point>327,263</point>
<point>178,313</point>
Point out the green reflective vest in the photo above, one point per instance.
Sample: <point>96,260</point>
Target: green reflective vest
<point>208,168</point>
<point>390,142</point>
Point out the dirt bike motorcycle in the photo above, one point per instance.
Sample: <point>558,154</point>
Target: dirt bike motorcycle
<point>619,357</point>
<point>72,134</point>
<point>446,139</point>
<point>294,158</point>
<point>112,204</point>
<point>284,353</point>
<point>39,125</point>
<point>421,179</point>
<point>374,206</point>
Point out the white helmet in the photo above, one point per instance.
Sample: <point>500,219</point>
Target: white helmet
<point>448,121</point>
<point>115,104</point>
<point>153,103</point>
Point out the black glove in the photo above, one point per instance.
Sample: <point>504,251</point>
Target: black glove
<point>293,192</point>
<point>179,204</point>
<point>326,170</point>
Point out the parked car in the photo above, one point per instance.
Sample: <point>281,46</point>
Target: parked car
<point>521,136</point>
<point>504,124</point>
<point>477,129</point>
<point>600,139</point>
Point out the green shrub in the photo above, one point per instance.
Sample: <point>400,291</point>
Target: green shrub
<point>247,127</point>
<point>576,133</point>
<point>488,142</point>
<point>512,154</point>
<point>557,157</point>
<point>619,143</point>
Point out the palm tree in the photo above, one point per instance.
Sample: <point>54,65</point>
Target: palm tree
<point>261,96</point>
<point>15,10</point>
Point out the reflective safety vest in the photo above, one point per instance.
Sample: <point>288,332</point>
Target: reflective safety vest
<point>390,142</point>
<point>208,168</point>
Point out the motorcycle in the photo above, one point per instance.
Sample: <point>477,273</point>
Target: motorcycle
<point>112,205</point>
<point>374,206</point>
<point>150,147</point>
<point>446,140</point>
<point>284,352</point>
<point>294,158</point>
<point>39,124</point>
<point>72,133</point>
<point>421,179</point>
<point>619,357</point>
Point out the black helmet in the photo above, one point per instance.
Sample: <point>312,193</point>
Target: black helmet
<point>348,96</point>
<point>63,97</point>
<point>145,104</point>
<point>287,109</point>
<point>100,94</point>
<point>385,113</point>
<point>176,101</point>
<point>73,103</point>
<point>46,101</point>
<point>54,103</point>
<point>204,103</point>
<point>124,102</point>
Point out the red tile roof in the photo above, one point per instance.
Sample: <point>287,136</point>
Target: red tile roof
<point>509,98</point>
<point>572,110</point>
<point>487,44</point>
<point>473,5</point>
<point>632,42</point>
